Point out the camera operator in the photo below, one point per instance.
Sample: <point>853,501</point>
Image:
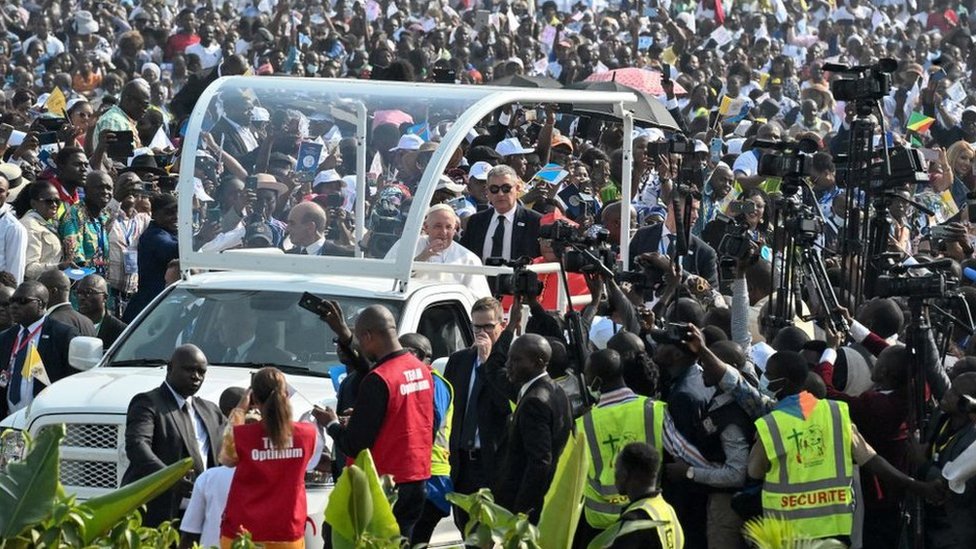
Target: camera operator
<point>661,237</point>
<point>716,196</point>
<point>746,167</point>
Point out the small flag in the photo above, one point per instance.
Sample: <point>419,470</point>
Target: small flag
<point>56,102</point>
<point>919,123</point>
<point>915,141</point>
<point>551,173</point>
<point>34,367</point>
<point>763,79</point>
<point>160,141</point>
<point>421,130</point>
<point>723,108</point>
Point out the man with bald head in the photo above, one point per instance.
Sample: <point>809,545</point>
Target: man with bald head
<point>92,294</point>
<point>168,424</point>
<point>397,425</point>
<point>133,104</point>
<point>20,379</point>
<point>59,307</point>
<point>540,424</point>
<point>307,225</point>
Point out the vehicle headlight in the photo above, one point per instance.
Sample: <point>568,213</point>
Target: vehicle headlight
<point>12,445</point>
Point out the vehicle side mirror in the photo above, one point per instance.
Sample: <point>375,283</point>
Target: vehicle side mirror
<point>84,353</point>
<point>439,364</point>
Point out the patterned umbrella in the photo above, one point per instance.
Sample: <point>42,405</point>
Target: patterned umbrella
<point>646,81</point>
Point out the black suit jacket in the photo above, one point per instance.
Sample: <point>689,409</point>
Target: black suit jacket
<point>53,348</point>
<point>109,330</point>
<point>182,104</point>
<point>493,410</point>
<point>525,233</point>
<point>156,438</point>
<point>701,259</point>
<point>536,434</point>
<point>65,314</point>
<point>233,144</point>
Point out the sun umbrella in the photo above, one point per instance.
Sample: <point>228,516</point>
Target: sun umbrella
<point>644,80</point>
<point>521,81</point>
<point>647,110</point>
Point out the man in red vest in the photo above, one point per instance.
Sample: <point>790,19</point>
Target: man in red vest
<point>398,424</point>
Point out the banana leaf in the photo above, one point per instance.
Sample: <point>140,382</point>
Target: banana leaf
<point>28,489</point>
<point>563,503</point>
<point>106,511</point>
<point>383,524</point>
<point>358,506</point>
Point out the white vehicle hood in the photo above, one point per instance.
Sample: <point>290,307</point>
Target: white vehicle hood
<point>108,390</point>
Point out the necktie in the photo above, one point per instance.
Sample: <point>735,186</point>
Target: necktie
<point>187,419</point>
<point>304,251</point>
<point>469,429</point>
<point>18,365</point>
<point>498,238</point>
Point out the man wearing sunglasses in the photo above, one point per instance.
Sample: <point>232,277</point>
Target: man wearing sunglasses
<point>34,349</point>
<point>507,229</point>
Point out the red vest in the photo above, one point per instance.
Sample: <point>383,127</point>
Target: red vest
<point>267,495</point>
<point>403,445</point>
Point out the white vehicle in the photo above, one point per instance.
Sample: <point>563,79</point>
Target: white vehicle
<point>256,293</point>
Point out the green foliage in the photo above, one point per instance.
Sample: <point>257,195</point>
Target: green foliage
<point>776,533</point>
<point>492,525</point>
<point>29,487</point>
<point>360,511</point>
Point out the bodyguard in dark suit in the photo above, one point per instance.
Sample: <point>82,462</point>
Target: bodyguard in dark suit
<point>232,129</point>
<point>92,292</point>
<point>480,414</point>
<point>182,104</point>
<point>700,260</point>
<point>168,424</point>
<point>538,428</point>
<point>31,329</point>
<point>59,308</point>
<point>507,229</point>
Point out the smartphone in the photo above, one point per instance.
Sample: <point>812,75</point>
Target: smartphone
<point>5,131</point>
<point>47,138</point>
<point>251,183</point>
<point>715,150</point>
<point>311,303</point>
<point>123,146</point>
<point>930,155</point>
<point>213,213</point>
<point>530,115</point>
<point>665,72</point>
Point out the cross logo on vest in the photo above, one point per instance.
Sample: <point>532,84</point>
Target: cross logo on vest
<point>616,443</point>
<point>415,382</point>
<point>810,448</point>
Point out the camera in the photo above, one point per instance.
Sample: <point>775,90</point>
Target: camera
<point>639,281</point>
<point>742,207</point>
<point>736,242</point>
<point>794,165</point>
<point>522,282</point>
<point>581,253</point>
<point>673,334</point>
<point>907,167</point>
<point>384,233</point>
<point>676,145</point>
<point>872,82</point>
<point>921,287</point>
<point>805,228</point>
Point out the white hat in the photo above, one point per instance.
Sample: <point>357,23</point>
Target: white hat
<point>688,19</point>
<point>260,114</point>
<point>602,330</point>
<point>479,170</point>
<point>199,192</point>
<point>326,176</point>
<point>734,145</point>
<point>85,23</point>
<point>408,142</point>
<point>152,67</point>
<point>511,147</point>
<point>700,146</point>
<point>446,183</point>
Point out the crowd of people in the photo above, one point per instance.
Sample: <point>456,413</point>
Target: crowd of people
<point>679,369</point>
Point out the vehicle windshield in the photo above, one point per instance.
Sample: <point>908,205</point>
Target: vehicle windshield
<point>240,327</point>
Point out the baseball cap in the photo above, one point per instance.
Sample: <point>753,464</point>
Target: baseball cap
<point>260,114</point>
<point>326,176</point>
<point>479,171</point>
<point>408,142</point>
<point>969,112</point>
<point>446,183</point>
<point>199,192</point>
<point>511,147</point>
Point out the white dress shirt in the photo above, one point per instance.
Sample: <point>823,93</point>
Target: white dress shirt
<point>26,384</point>
<point>199,427</point>
<point>246,135</point>
<point>507,241</point>
<point>313,248</point>
<point>13,243</point>
<point>209,55</point>
<point>207,503</point>
<point>527,384</point>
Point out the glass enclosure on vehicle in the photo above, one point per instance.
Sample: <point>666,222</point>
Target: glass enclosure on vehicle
<point>238,327</point>
<point>370,153</point>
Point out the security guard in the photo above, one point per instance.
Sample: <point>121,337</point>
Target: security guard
<point>636,474</point>
<point>806,453</point>
<point>620,417</point>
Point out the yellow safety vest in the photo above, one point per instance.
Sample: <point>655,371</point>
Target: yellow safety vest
<point>811,476</point>
<point>607,430</point>
<point>669,532</point>
<point>440,458</point>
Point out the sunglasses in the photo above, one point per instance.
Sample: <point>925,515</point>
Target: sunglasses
<point>49,201</point>
<point>89,293</point>
<point>23,300</point>
<point>504,189</point>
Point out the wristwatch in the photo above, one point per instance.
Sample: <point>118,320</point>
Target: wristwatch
<point>690,473</point>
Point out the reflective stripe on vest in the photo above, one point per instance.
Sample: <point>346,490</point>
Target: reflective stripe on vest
<point>607,430</point>
<point>440,459</point>
<point>810,478</point>
<point>671,535</point>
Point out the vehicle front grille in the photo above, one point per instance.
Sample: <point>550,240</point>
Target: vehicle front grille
<point>91,435</point>
<point>89,474</point>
